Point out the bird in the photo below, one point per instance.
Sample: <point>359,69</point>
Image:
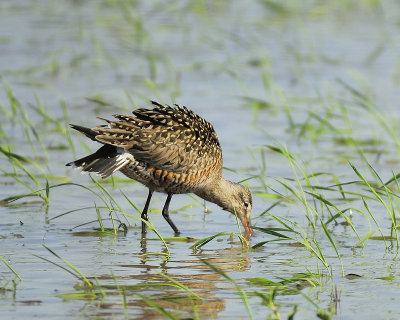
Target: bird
<point>169,149</point>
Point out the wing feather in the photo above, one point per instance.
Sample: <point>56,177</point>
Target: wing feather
<point>167,138</point>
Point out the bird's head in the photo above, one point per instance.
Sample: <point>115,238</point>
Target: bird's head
<point>241,204</point>
<point>232,197</point>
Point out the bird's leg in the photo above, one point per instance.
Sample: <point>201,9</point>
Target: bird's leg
<point>144,212</point>
<point>165,214</point>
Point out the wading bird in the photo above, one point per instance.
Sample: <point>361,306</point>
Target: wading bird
<point>170,150</point>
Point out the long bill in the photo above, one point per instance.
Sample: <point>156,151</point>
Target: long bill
<point>246,224</point>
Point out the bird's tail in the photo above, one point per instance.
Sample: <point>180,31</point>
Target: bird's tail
<point>105,161</point>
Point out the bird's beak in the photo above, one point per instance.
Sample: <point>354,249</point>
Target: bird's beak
<point>246,224</point>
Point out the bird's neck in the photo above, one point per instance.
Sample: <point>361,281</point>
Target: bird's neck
<point>218,191</point>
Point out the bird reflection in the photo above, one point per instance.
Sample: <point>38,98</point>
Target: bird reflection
<point>193,292</point>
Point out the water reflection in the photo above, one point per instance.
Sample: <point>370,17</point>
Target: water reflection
<point>145,279</point>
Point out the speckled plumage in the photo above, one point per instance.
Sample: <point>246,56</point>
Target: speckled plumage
<point>170,150</point>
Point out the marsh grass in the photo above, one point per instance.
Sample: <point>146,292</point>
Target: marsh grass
<point>202,242</point>
<point>92,289</point>
<point>30,169</point>
<point>324,199</point>
<point>328,199</point>
<point>240,291</point>
<point>189,294</point>
<point>306,207</point>
<point>160,309</point>
<point>391,203</point>
<point>322,205</point>
<point>290,286</point>
<point>10,268</point>
<point>313,208</point>
<point>70,268</point>
<point>20,115</point>
<point>308,194</point>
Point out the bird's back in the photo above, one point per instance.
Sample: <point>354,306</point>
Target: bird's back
<point>173,149</point>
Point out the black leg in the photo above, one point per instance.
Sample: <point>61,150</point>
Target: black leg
<point>144,212</point>
<point>165,214</point>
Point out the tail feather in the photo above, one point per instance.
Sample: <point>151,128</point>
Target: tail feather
<point>86,131</point>
<point>105,161</point>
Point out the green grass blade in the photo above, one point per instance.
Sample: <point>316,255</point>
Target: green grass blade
<point>242,293</point>
<point>157,307</point>
<point>180,285</point>
<point>11,269</point>
<point>71,266</point>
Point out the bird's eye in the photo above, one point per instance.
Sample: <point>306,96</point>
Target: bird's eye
<point>246,204</point>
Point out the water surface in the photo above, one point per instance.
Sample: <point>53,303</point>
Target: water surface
<point>76,60</point>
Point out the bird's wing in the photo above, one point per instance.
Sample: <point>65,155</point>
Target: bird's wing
<point>174,139</point>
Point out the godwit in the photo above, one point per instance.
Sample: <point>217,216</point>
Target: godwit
<point>170,150</point>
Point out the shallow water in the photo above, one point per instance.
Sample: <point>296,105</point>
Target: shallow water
<point>208,56</point>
